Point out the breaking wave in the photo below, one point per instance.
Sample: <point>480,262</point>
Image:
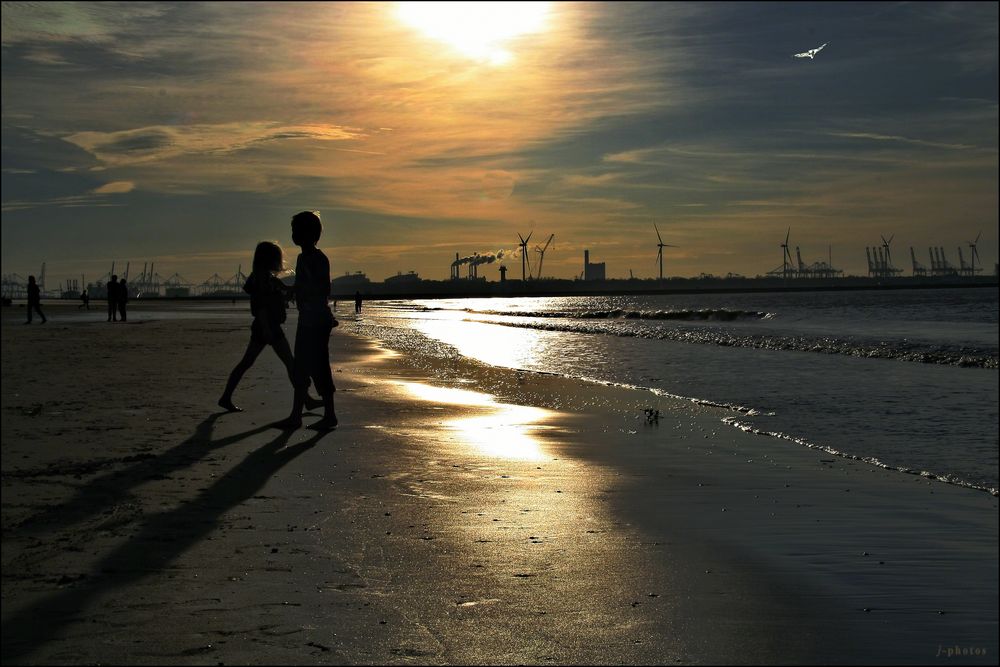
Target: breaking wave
<point>897,350</point>
<point>718,315</point>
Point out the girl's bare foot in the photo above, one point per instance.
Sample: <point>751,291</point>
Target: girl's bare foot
<point>227,405</point>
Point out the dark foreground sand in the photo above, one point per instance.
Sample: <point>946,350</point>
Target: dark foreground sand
<point>548,524</point>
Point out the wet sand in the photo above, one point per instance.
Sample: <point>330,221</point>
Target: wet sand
<point>460,514</point>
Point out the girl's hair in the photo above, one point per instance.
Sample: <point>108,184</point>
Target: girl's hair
<point>267,257</point>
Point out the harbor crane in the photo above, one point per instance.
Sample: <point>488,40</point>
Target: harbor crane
<point>541,255</point>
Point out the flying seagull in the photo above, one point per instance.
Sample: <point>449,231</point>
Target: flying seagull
<point>811,53</point>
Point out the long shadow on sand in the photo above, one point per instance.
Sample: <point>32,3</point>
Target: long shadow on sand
<point>113,488</point>
<point>162,539</point>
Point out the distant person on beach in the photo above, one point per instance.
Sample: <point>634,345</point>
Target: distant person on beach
<point>122,297</point>
<point>34,300</point>
<point>267,304</point>
<point>85,298</point>
<point>357,303</point>
<point>113,299</point>
<point>312,337</point>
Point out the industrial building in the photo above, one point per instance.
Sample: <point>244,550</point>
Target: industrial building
<point>592,271</point>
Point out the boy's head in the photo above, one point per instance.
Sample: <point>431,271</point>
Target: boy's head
<point>306,228</point>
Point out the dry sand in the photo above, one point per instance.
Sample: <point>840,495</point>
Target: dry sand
<point>549,524</point>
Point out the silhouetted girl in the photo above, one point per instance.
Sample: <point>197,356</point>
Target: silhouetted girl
<point>267,303</point>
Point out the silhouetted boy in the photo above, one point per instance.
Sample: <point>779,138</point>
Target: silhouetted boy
<point>34,300</point>
<point>357,303</point>
<point>312,336</point>
<point>113,299</point>
<point>86,301</point>
<point>122,297</point>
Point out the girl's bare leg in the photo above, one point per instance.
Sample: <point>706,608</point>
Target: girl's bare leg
<point>254,349</point>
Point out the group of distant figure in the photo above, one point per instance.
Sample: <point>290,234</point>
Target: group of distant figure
<point>115,305</point>
<point>117,298</point>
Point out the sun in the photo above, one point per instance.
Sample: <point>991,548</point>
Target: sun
<point>478,30</point>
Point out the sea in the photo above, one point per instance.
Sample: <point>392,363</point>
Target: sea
<point>902,379</point>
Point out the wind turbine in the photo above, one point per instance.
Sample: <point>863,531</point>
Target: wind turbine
<point>659,249</point>
<point>786,256</point>
<point>975,253</point>
<point>541,253</point>
<point>524,251</point>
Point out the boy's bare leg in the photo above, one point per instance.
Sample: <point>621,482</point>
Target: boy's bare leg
<point>294,420</point>
<point>329,420</point>
<point>284,353</point>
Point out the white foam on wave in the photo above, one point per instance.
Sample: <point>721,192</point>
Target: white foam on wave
<point>871,460</point>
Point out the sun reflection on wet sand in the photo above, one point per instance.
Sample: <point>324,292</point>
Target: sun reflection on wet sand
<point>506,430</point>
<point>493,344</point>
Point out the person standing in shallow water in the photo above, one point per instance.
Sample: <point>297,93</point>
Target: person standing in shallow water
<point>113,299</point>
<point>85,298</point>
<point>267,304</point>
<point>312,337</point>
<point>357,303</point>
<point>34,300</point>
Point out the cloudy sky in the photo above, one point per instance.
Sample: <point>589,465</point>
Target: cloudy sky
<point>183,133</point>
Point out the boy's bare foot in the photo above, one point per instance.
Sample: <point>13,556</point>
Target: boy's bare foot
<point>325,424</point>
<point>288,423</point>
<point>313,403</point>
<point>228,406</point>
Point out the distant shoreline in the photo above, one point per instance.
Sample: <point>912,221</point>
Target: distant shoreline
<point>624,288</point>
<point>462,288</point>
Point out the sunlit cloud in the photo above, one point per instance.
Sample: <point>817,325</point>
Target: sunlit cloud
<point>905,140</point>
<point>163,142</point>
<point>115,187</point>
